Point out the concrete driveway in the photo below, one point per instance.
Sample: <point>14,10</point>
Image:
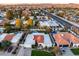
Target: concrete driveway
<point>25,52</point>
<point>68,52</point>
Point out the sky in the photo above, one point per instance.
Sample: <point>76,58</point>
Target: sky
<point>37,1</point>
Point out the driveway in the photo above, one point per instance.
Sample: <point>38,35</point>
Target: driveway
<point>25,52</point>
<point>68,52</point>
<point>6,54</point>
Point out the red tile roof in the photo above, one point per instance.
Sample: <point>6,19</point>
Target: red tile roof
<point>60,40</point>
<point>71,37</point>
<point>65,38</point>
<point>9,37</point>
<point>39,38</point>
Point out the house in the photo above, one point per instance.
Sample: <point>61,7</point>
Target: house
<point>15,40</point>
<point>66,40</point>
<point>73,40</point>
<point>40,38</point>
<point>2,36</point>
<point>61,42</point>
<point>49,23</point>
<point>9,37</point>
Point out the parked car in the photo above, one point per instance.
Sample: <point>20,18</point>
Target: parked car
<point>10,49</point>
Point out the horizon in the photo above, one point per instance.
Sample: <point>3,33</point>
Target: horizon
<point>38,1</point>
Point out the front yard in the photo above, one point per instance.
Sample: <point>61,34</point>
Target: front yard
<point>75,51</point>
<point>41,53</point>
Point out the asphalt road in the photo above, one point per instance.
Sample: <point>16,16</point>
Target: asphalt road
<point>63,22</point>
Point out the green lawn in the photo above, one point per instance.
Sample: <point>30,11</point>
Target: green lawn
<point>75,51</point>
<point>40,53</point>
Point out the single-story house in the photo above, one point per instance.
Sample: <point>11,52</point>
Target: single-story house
<point>66,39</point>
<point>40,38</point>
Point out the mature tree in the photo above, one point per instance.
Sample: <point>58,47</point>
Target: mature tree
<point>35,17</point>
<point>26,17</point>
<point>56,50</point>
<point>51,11</point>
<point>7,43</point>
<point>30,22</point>
<point>61,14</point>
<point>7,27</point>
<point>37,23</point>
<point>18,24</point>
<point>26,26</point>
<point>48,29</point>
<point>9,14</point>
<point>4,44</point>
<point>18,13</point>
<point>77,14</point>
